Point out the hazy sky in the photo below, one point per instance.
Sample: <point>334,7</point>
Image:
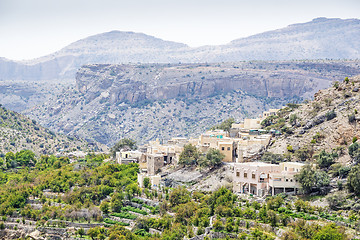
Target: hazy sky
<point>33,28</point>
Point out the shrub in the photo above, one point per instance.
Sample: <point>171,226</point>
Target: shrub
<point>324,159</point>
<point>353,181</point>
<point>336,200</point>
<point>126,215</point>
<point>290,148</point>
<point>351,118</point>
<point>303,153</point>
<point>272,158</point>
<point>312,180</point>
<point>293,118</point>
<point>132,209</point>
<point>330,115</point>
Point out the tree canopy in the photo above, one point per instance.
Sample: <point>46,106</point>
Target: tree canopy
<point>123,144</point>
<point>189,155</point>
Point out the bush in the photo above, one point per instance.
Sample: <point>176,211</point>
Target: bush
<point>336,200</point>
<point>354,152</point>
<point>109,221</point>
<point>225,125</point>
<point>330,115</point>
<point>353,181</point>
<point>132,209</point>
<point>351,118</point>
<point>126,215</point>
<point>292,119</point>
<point>312,180</point>
<point>272,158</point>
<point>303,153</point>
<point>324,159</point>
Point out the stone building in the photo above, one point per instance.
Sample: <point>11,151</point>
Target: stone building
<point>259,178</point>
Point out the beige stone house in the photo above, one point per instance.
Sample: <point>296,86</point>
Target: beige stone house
<point>259,178</point>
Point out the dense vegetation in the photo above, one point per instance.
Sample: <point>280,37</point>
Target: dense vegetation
<point>90,190</point>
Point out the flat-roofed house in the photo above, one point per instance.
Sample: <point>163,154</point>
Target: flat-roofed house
<point>284,180</point>
<point>261,178</point>
<point>253,177</point>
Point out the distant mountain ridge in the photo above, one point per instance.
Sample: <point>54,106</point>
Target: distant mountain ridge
<point>321,38</point>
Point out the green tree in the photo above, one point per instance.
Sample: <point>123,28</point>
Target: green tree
<point>303,153</point>
<point>353,180</point>
<point>225,125</point>
<point>80,232</point>
<point>93,233</point>
<point>330,232</point>
<point>272,218</point>
<point>189,156</point>
<point>212,158</point>
<point>146,182</point>
<point>325,160</point>
<point>354,152</point>
<point>104,206</point>
<point>25,158</point>
<point>218,225</point>
<point>179,196</point>
<point>132,190</point>
<point>123,144</point>
<point>2,166</point>
<point>116,202</point>
<point>312,180</point>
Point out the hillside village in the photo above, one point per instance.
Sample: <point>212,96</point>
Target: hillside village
<point>283,175</point>
<point>240,146</point>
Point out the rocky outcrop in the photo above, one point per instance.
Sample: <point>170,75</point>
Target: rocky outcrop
<point>147,101</point>
<point>138,83</point>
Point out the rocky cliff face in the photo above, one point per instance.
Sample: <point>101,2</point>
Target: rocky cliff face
<point>319,39</point>
<point>163,100</point>
<point>136,83</point>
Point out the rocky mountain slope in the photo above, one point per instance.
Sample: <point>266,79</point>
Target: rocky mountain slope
<point>321,38</point>
<point>163,100</point>
<point>329,122</point>
<point>18,132</point>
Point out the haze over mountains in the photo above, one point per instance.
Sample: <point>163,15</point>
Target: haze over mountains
<point>319,39</point>
<point>176,89</point>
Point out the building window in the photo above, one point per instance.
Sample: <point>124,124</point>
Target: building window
<point>238,174</point>
<point>222,148</point>
<point>285,168</point>
<point>245,175</point>
<point>253,175</point>
<point>228,148</point>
